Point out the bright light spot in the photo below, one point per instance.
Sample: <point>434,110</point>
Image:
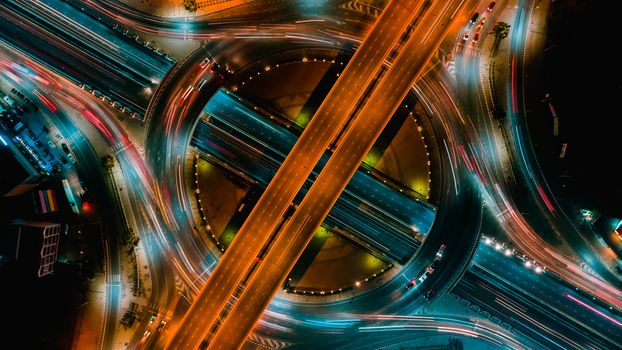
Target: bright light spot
<point>591,308</point>
<point>302,119</point>
<point>371,159</point>
<point>527,263</point>
<point>372,263</point>
<point>3,141</point>
<point>321,232</point>
<point>488,241</point>
<point>508,252</point>
<point>86,207</point>
<point>227,237</point>
<point>498,246</point>
<point>538,269</point>
<point>357,283</point>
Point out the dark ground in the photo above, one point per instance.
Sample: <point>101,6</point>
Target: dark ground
<point>584,77</point>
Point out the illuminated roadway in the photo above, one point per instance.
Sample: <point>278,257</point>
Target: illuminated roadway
<point>83,49</point>
<point>515,229</point>
<point>283,312</point>
<point>327,122</point>
<point>525,170</point>
<point>543,306</point>
<point>350,152</point>
<point>374,215</point>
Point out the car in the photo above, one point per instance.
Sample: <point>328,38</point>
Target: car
<point>429,294</point>
<point>481,23</point>
<point>162,325</point>
<point>474,18</point>
<point>475,38</point>
<point>465,37</point>
<point>145,336</point>
<point>433,266</point>
<point>491,6</point>
<point>424,276</point>
<point>65,148</point>
<point>410,284</point>
<point>63,159</point>
<point>71,158</point>
<point>441,251</point>
<point>152,318</point>
<point>205,62</point>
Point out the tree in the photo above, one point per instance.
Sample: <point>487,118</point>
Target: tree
<point>107,162</point>
<point>190,5</point>
<point>501,30</point>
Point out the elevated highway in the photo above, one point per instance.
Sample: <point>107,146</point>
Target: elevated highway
<point>373,214</point>
<point>332,115</point>
<point>427,32</point>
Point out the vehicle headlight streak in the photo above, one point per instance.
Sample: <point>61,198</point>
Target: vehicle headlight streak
<point>593,309</point>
